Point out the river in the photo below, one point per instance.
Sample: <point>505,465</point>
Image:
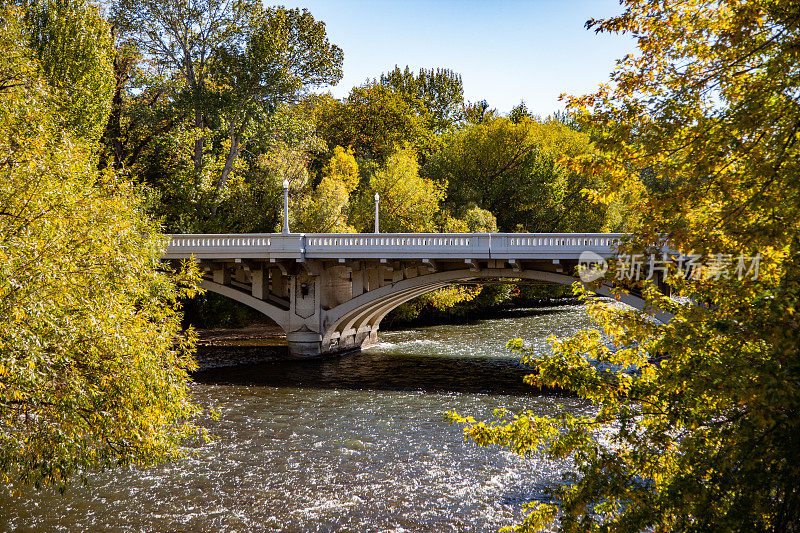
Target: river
<point>352,443</point>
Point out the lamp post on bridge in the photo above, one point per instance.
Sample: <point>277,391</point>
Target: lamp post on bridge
<point>285,206</point>
<point>377,212</point>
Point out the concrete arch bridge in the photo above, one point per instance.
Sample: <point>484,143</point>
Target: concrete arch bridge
<point>329,292</point>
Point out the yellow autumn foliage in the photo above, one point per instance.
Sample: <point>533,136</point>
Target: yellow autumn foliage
<point>93,364</point>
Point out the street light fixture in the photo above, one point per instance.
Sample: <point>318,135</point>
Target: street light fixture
<point>285,206</point>
<point>377,211</point>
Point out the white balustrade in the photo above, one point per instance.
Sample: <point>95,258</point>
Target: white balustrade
<point>235,246</point>
<point>398,246</point>
<point>552,245</point>
<point>392,245</point>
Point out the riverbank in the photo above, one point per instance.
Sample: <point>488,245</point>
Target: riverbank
<point>504,310</point>
<point>227,347</point>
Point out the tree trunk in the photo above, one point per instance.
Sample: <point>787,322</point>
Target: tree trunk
<point>113,132</point>
<point>226,170</point>
<point>199,142</point>
<point>114,127</point>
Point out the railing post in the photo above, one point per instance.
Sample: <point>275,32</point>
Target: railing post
<point>377,212</point>
<point>285,207</point>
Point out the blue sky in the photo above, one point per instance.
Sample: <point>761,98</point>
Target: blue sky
<point>506,51</point>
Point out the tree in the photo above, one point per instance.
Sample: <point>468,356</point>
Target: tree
<point>182,37</point>
<point>283,146</point>
<point>238,62</point>
<point>700,431</point>
<point>143,109</point>
<point>408,202</point>
<point>93,364</point>
<point>375,121</point>
<point>519,112</point>
<point>325,210</point>
<point>286,53</point>
<point>72,44</point>
<point>514,170</point>
<point>480,221</point>
<point>476,220</point>
<point>441,91</point>
<point>478,112</point>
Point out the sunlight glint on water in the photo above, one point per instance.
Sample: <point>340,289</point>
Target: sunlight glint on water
<point>356,443</point>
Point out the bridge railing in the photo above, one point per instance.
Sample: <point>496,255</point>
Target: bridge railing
<point>235,246</point>
<point>390,245</point>
<point>398,245</point>
<point>551,245</point>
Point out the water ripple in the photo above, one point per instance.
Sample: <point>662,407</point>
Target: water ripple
<point>356,443</point>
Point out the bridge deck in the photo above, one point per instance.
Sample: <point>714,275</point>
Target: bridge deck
<point>432,246</point>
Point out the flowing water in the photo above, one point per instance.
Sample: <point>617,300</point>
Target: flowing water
<point>353,443</point>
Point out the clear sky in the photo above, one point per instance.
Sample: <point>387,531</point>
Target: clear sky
<point>506,50</point>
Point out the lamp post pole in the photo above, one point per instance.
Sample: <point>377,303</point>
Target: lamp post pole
<point>377,212</point>
<point>285,206</point>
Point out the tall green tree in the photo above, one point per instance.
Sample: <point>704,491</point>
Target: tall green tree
<point>408,201</point>
<point>143,108</point>
<point>440,90</point>
<point>238,63</point>
<point>93,363</point>
<point>700,431</point>
<point>286,53</point>
<point>182,37</point>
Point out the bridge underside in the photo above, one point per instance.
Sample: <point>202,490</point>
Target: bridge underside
<point>327,306</point>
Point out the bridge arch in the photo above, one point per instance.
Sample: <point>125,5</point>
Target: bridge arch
<point>356,322</point>
<point>272,311</point>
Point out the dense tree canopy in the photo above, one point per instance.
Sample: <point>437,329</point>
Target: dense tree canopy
<point>701,430</point>
<point>375,121</point>
<point>93,363</point>
<point>326,209</point>
<point>72,44</point>
<point>408,202</point>
<point>514,170</point>
<point>236,63</point>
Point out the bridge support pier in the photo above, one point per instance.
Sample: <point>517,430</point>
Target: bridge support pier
<point>304,343</point>
<point>351,341</point>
